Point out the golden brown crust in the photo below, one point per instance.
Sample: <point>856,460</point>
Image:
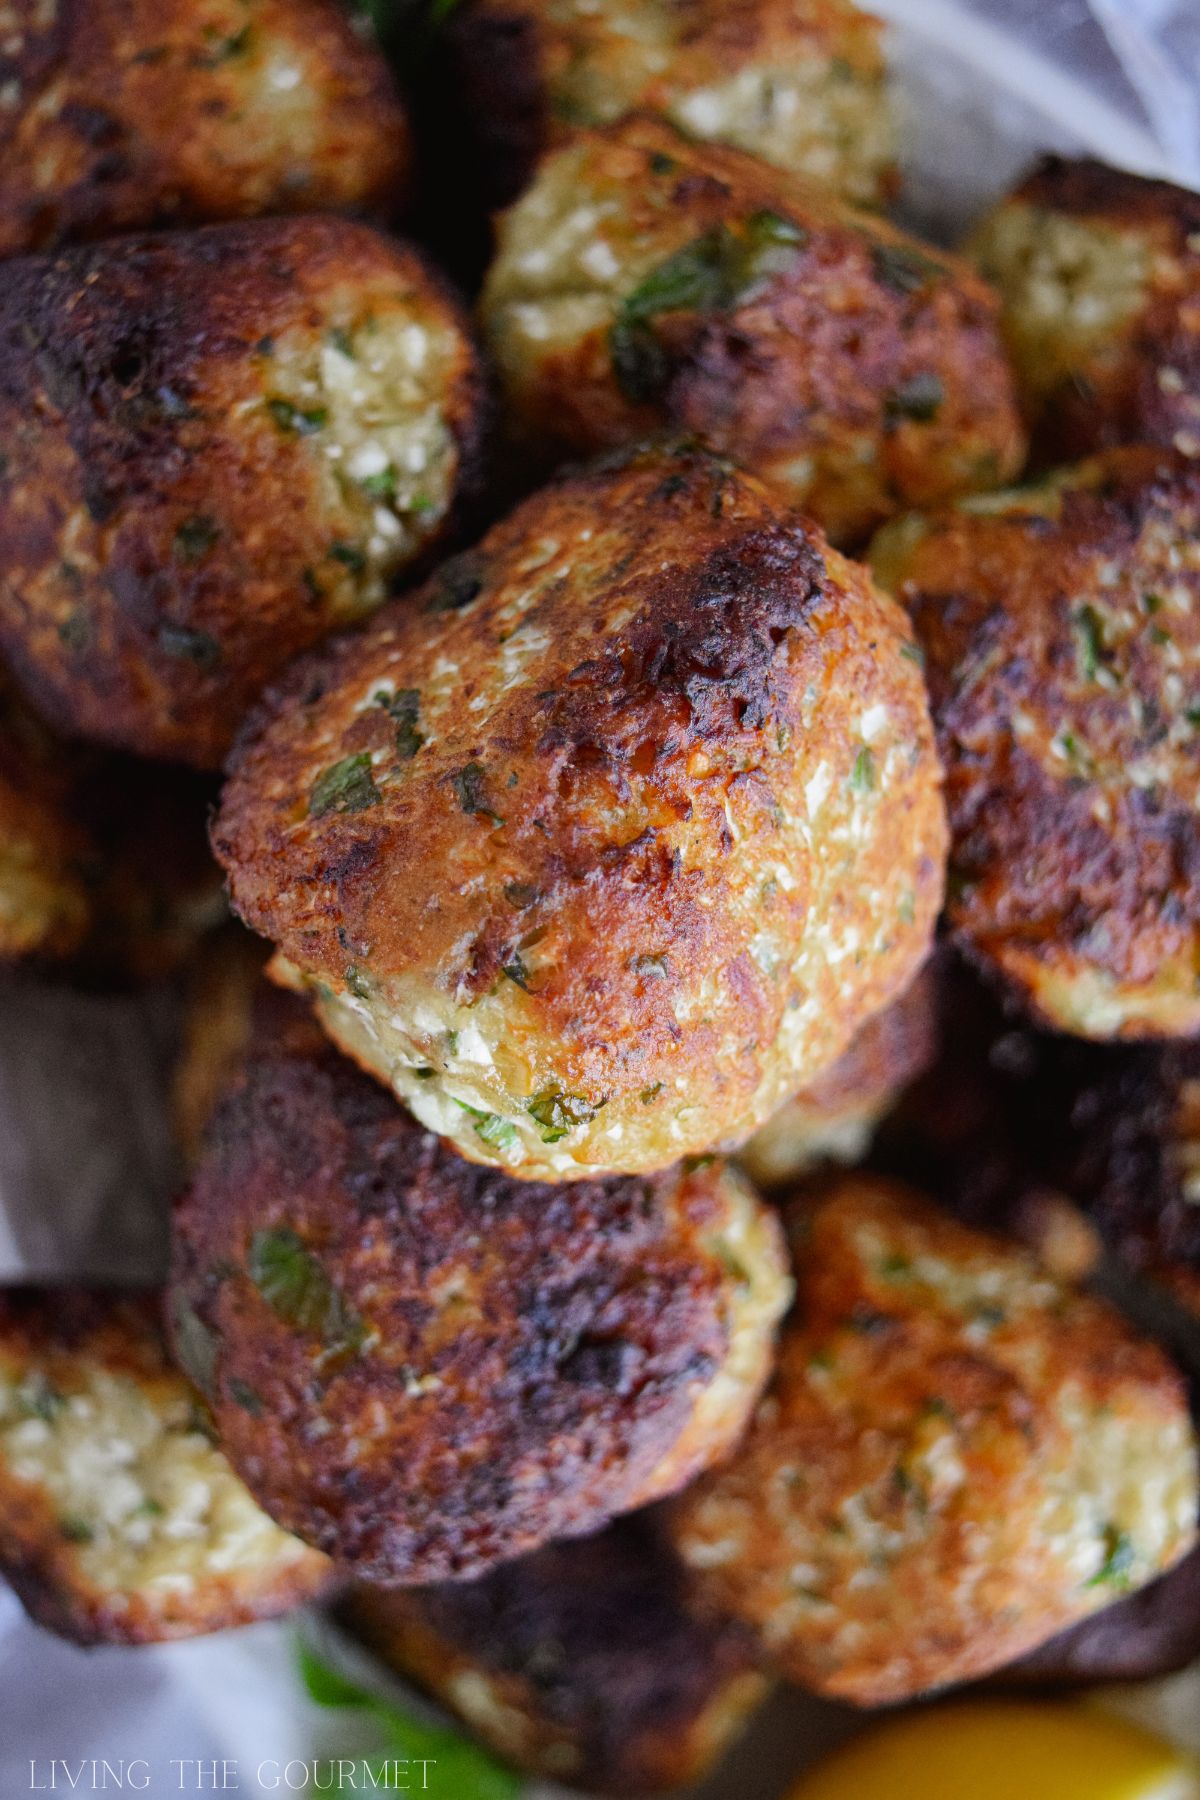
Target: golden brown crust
<point>1061,629</point>
<point>1100,274</point>
<point>800,83</point>
<point>645,283</point>
<point>835,1118</point>
<point>959,1457</point>
<point>424,1367</point>
<point>75,1546</point>
<point>120,114</point>
<point>630,815</point>
<point>582,1663</point>
<point>164,399</point>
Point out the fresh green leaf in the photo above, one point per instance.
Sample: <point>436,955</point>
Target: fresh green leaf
<point>457,1768</point>
<point>347,786</point>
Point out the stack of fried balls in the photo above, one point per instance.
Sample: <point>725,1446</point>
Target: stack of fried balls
<point>728,861</point>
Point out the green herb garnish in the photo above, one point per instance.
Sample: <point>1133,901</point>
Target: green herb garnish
<point>299,421</point>
<point>296,1287</point>
<point>404,706</point>
<point>469,785</point>
<point>196,537</point>
<point>501,1133</point>
<point>1118,1559</point>
<point>557,1113</point>
<point>714,273</point>
<point>348,787</point>
<point>862,775</point>
<point>349,555</point>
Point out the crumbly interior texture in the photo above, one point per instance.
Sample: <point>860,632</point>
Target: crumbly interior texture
<point>958,1458</point>
<point>1070,286</point>
<point>801,86</point>
<point>118,1509</point>
<point>1060,628</point>
<point>369,396</point>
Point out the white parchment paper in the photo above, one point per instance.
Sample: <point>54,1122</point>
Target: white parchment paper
<point>86,1165</point>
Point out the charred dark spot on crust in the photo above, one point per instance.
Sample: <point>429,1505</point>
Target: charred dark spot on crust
<point>604,1316</point>
<point>594,1641</point>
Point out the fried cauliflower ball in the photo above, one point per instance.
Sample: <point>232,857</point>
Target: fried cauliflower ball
<point>608,839</point>
<point>219,445</point>
<point>1061,629</point>
<point>128,113</point>
<point>1099,272</point>
<point>798,83</point>
<point>834,1120</point>
<point>959,1457</point>
<point>582,1663</point>
<point>120,1522</point>
<point>45,906</point>
<point>644,282</point>
<point>424,1367</point>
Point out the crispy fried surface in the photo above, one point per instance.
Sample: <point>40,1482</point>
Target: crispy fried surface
<point>424,1367</point>
<point>119,1520</point>
<point>959,1457</point>
<point>129,113</point>
<point>219,446</point>
<point>801,85</point>
<point>644,282</point>
<point>1061,629</point>
<point>835,1119</point>
<point>1099,271</point>
<point>608,838</point>
<point>582,1663</point>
